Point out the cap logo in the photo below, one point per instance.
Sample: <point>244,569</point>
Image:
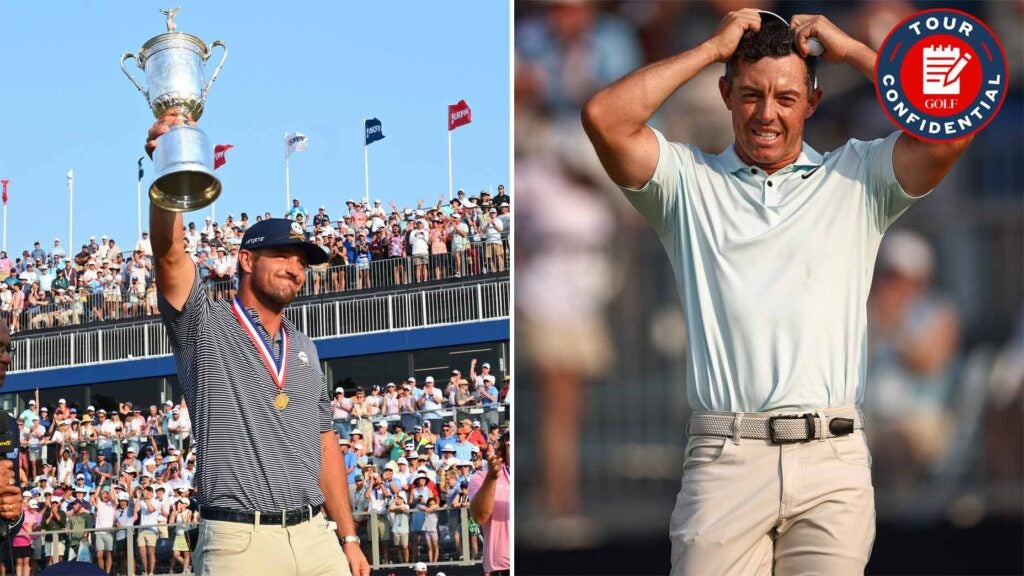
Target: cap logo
<point>254,240</point>
<point>297,233</point>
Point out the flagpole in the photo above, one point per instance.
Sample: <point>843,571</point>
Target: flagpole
<point>4,182</point>
<point>71,205</point>
<point>366,165</point>
<point>138,195</point>
<point>287,177</point>
<point>449,164</point>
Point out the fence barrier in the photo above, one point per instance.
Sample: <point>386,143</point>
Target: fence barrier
<point>124,302</point>
<point>459,542</point>
<point>367,315</point>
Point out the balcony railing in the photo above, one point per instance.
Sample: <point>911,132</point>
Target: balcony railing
<point>122,303</point>
<point>368,315</point>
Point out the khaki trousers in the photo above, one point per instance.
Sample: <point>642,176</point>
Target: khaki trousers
<point>304,549</point>
<point>751,507</point>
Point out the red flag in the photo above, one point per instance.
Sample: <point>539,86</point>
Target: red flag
<point>459,115</point>
<point>220,155</point>
<point>5,190</point>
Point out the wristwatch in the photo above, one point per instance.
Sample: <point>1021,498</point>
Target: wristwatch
<point>350,540</point>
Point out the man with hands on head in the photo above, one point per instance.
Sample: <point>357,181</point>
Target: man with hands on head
<point>267,455</point>
<point>773,246</point>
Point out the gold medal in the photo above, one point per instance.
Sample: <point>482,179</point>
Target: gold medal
<point>281,402</point>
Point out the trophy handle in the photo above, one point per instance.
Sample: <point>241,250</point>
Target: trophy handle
<point>130,56</point>
<point>216,70</point>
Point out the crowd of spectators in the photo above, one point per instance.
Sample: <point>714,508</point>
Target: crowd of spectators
<point>410,455</point>
<point>369,247</point>
<point>85,468</point>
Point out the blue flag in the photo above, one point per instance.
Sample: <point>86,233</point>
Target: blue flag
<point>374,131</point>
<point>141,173</point>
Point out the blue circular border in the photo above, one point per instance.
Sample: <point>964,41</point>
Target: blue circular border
<point>904,37</point>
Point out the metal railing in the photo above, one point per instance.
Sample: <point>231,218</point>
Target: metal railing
<point>114,448</point>
<point>60,545</point>
<point>122,302</point>
<point>372,314</point>
<point>65,544</point>
<point>452,550</point>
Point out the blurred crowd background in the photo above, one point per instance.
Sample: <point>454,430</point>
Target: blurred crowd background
<point>600,332</point>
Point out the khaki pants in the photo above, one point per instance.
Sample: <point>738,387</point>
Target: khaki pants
<point>304,549</point>
<point>751,507</point>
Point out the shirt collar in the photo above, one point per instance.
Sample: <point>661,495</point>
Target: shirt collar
<point>809,157</point>
<point>255,315</point>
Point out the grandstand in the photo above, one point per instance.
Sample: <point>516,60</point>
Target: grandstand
<point>374,322</point>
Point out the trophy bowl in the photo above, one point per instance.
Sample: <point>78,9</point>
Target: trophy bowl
<point>174,65</point>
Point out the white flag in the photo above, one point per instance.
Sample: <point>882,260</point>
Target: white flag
<point>295,142</point>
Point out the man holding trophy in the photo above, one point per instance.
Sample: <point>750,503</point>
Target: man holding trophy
<point>268,457</point>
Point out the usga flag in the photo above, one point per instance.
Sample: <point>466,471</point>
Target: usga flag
<point>5,190</point>
<point>374,131</point>
<point>220,155</point>
<point>459,115</point>
<point>295,142</point>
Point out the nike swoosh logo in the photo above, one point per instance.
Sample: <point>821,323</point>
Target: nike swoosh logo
<point>808,175</point>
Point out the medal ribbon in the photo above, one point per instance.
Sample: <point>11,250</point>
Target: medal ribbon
<point>278,370</point>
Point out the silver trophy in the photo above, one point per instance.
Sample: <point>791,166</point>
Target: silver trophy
<point>174,64</point>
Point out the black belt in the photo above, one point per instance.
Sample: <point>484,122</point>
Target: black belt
<point>288,518</point>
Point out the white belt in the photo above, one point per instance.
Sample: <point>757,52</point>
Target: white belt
<point>779,428</point>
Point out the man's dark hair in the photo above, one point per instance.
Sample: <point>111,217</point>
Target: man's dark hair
<point>774,39</point>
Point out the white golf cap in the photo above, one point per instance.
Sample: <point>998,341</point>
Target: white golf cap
<point>419,567</point>
<point>907,253</point>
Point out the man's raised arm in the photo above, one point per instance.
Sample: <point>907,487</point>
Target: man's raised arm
<point>919,165</point>
<point>175,271</point>
<point>615,118</point>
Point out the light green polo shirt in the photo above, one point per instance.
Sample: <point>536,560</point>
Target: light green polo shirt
<point>774,272</point>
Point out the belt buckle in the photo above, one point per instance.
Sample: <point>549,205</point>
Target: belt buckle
<point>808,418</point>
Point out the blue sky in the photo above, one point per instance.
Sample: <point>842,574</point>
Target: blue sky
<point>314,67</point>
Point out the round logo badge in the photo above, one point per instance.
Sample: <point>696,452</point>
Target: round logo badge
<point>941,75</point>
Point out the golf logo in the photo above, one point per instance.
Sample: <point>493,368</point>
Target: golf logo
<point>941,75</point>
